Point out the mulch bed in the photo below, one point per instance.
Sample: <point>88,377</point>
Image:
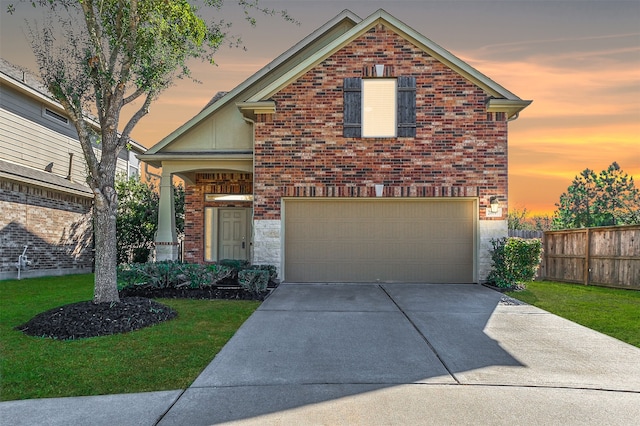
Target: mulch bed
<point>225,292</point>
<point>135,310</point>
<point>87,319</point>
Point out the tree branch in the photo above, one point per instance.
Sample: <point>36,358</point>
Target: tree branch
<point>127,60</point>
<point>144,110</point>
<point>132,97</point>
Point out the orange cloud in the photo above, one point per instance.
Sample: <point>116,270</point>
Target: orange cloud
<point>585,114</point>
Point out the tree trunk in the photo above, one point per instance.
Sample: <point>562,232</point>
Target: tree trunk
<point>104,215</point>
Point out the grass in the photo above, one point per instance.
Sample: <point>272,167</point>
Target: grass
<point>166,356</point>
<point>615,312</point>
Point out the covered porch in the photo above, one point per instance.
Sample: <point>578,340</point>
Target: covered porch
<point>218,206</point>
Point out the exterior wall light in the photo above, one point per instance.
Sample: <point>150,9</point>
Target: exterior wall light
<point>494,204</point>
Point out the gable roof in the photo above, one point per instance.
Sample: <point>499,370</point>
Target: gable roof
<point>327,32</point>
<point>382,17</point>
<point>316,47</point>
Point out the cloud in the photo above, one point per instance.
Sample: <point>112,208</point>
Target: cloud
<point>571,79</point>
<point>573,44</point>
<point>557,89</point>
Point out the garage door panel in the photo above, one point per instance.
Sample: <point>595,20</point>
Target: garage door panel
<point>387,240</point>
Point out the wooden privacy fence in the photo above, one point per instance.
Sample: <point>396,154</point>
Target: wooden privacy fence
<point>520,233</point>
<point>607,256</point>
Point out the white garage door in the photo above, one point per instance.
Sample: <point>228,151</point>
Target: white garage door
<point>386,240</point>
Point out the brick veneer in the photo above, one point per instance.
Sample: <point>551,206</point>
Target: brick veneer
<point>209,183</point>
<point>56,227</point>
<point>459,148</point>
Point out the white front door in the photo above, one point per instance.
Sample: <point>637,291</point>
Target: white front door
<point>233,240</point>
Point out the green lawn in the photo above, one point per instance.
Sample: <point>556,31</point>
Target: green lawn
<point>611,311</point>
<point>162,357</point>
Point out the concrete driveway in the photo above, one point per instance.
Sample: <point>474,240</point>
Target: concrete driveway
<point>412,354</point>
<point>386,354</point>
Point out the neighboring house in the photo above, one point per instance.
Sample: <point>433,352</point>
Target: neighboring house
<point>44,199</point>
<point>364,153</point>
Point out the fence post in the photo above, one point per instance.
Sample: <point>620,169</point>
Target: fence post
<point>587,257</point>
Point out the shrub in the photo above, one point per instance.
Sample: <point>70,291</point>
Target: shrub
<point>223,273</point>
<point>148,275</point>
<point>254,280</point>
<point>273,272</point>
<point>515,260</point>
<point>236,264</point>
<point>196,276</point>
<point>173,274</point>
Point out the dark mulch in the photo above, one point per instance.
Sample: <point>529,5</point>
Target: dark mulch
<point>135,310</point>
<point>226,292</point>
<point>87,319</point>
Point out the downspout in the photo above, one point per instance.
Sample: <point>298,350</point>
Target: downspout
<point>70,165</point>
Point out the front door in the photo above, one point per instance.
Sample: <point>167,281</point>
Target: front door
<point>232,228</point>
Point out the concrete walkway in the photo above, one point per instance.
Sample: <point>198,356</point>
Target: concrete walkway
<point>363,354</point>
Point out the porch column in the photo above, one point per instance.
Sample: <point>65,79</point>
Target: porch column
<point>166,238</point>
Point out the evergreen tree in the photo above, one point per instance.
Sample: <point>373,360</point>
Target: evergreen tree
<point>607,198</point>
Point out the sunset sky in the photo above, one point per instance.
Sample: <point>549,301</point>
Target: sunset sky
<point>578,60</point>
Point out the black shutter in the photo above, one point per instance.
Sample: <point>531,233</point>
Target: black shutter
<point>406,106</point>
<point>352,107</point>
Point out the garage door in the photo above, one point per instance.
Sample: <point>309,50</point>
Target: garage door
<point>390,240</point>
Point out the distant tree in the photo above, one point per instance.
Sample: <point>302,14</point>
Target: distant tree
<point>521,220</point>
<point>619,197</point>
<point>104,55</point>
<point>516,219</point>
<point>542,222</point>
<point>607,198</point>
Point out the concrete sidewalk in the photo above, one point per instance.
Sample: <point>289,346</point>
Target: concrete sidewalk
<point>385,354</point>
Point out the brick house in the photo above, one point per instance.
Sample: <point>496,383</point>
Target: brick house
<point>44,199</point>
<point>364,153</point>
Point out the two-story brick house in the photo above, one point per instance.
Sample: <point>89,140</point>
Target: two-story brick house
<point>364,153</point>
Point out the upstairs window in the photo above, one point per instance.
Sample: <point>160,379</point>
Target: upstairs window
<point>379,107</point>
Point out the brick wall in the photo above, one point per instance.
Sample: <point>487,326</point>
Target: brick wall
<point>209,183</point>
<point>55,226</point>
<point>459,148</point>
